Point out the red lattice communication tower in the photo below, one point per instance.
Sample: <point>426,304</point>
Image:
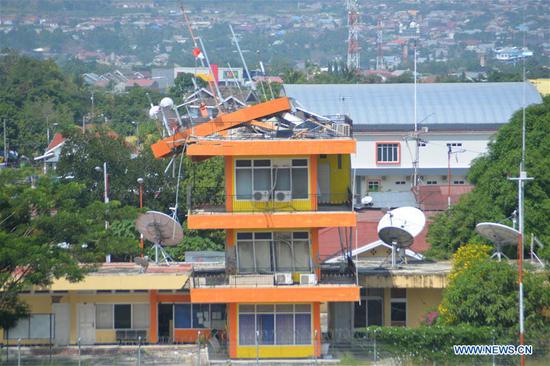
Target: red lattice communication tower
<point>353,34</point>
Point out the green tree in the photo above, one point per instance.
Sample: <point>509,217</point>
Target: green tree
<point>183,84</point>
<point>494,197</point>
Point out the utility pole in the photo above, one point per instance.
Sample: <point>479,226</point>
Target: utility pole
<point>5,144</point>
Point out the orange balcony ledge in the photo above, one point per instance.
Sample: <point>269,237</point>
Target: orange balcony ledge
<point>290,294</point>
<point>271,220</point>
<point>204,148</point>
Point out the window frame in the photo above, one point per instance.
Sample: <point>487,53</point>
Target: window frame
<point>388,162</point>
<point>291,167</point>
<point>275,314</point>
<point>192,317</point>
<point>113,327</point>
<point>28,319</point>
<point>399,300</point>
<point>378,183</point>
<point>273,250</point>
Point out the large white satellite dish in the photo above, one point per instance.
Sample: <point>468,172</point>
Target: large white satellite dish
<point>499,235</point>
<point>399,227</point>
<point>160,229</point>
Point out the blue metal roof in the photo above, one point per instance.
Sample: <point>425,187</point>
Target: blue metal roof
<point>438,104</point>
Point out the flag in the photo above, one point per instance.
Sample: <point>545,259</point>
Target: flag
<point>198,53</point>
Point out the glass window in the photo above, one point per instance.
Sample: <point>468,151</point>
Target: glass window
<point>373,186</point>
<point>182,314</point>
<point>283,251</point>
<point>303,328</point>
<point>302,308</point>
<point>263,256</point>
<point>40,326</point>
<point>398,313</point>
<point>300,162</point>
<point>141,316</point>
<point>281,178</point>
<point>201,316</point>
<point>246,256</point>
<point>299,183</point>
<point>387,153</point>
<point>285,308</point>
<point>262,179</point>
<point>264,308</point>
<point>246,308</point>
<point>123,316</point>
<point>21,329</point>
<point>301,255</point>
<point>247,329</point>
<point>285,329</point>
<point>360,315</point>
<point>243,163</point>
<point>266,328</point>
<point>374,312</point>
<point>243,179</point>
<point>104,316</point>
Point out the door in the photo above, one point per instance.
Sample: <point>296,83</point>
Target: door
<point>323,179</point>
<point>62,323</point>
<point>86,323</point>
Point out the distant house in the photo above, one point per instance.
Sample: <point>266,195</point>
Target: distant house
<point>53,152</point>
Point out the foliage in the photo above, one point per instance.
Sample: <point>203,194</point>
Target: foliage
<point>494,197</point>
<point>466,256</point>
<point>485,294</point>
<point>431,343</point>
<point>185,84</point>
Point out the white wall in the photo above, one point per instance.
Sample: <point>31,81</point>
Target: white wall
<point>433,155</point>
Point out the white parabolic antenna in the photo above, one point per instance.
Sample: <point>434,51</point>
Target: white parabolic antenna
<point>161,230</point>
<point>498,233</point>
<point>399,227</point>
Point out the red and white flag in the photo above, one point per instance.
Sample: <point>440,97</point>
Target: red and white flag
<point>198,53</point>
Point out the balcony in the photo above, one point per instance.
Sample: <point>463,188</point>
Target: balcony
<point>218,286</point>
<point>263,210</point>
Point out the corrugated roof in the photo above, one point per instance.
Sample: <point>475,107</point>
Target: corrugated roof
<point>439,104</point>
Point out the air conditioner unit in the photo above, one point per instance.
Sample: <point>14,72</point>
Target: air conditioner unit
<point>343,129</point>
<point>308,279</point>
<point>260,196</point>
<point>283,278</point>
<point>283,196</point>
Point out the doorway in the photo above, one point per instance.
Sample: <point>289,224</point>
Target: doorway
<point>86,323</point>
<point>62,323</point>
<point>166,322</point>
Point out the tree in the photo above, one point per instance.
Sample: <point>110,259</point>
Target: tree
<point>485,294</point>
<point>183,84</point>
<point>494,197</point>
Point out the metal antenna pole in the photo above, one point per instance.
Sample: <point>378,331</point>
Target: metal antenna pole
<point>417,144</point>
<point>5,144</point>
<point>240,53</point>
<point>211,71</point>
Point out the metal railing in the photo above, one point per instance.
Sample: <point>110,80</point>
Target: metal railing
<point>203,279</point>
<point>277,201</point>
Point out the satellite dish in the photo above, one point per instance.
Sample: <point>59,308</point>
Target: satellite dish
<point>367,200</point>
<point>166,102</point>
<point>154,111</point>
<point>160,229</point>
<point>499,235</point>
<point>399,227</point>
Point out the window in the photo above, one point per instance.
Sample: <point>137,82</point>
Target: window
<point>387,152</point>
<point>283,324</point>
<point>373,185</point>
<point>454,144</point>
<point>431,182</point>
<point>400,182</point>
<point>398,306</point>
<point>266,252</point>
<point>267,175</point>
<point>198,316</point>
<point>370,311</point>
<point>458,182</point>
<point>123,316</point>
<point>104,316</point>
<point>37,326</point>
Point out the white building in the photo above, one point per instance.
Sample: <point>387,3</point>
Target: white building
<point>459,116</point>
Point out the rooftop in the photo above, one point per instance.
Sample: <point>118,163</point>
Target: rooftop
<point>440,105</point>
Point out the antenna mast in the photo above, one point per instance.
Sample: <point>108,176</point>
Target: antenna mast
<point>379,56</point>
<point>353,34</point>
<point>415,133</point>
<point>240,52</point>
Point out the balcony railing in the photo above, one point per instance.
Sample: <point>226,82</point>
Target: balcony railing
<point>210,279</point>
<point>278,201</point>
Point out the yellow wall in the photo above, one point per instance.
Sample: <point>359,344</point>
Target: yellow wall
<point>288,351</point>
<point>42,304</point>
<point>292,205</point>
<point>542,85</point>
<point>421,301</point>
<point>340,181</point>
<point>38,304</point>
